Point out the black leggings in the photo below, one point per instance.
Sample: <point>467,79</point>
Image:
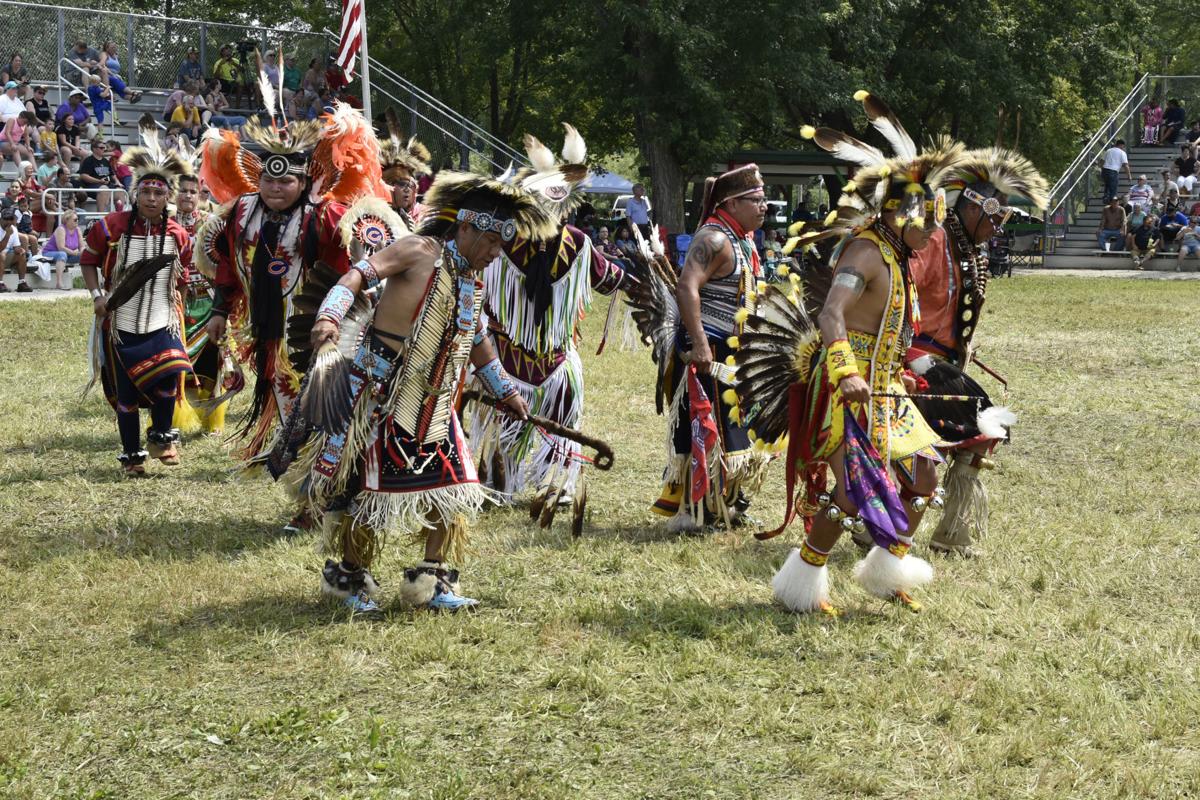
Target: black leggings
<point>162,408</point>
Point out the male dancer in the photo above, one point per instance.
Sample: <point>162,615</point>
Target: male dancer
<point>951,279</point>
<point>259,250</point>
<point>135,264</point>
<point>535,297</point>
<point>198,302</point>
<point>390,453</point>
<point>402,161</point>
<point>839,395</point>
<point>715,293</point>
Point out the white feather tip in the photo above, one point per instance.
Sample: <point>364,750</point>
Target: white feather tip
<point>994,422</point>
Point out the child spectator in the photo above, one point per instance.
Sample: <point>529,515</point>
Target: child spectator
<point>101,97</point>
<point>46,172</point>
<point>1152,116</point>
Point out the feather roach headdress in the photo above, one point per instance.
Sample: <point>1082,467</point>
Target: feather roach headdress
<point>557,185</point>
<point>909,183</point>
<point>995,170</point>
<point>402,159</point>
<point>488,204</point>
<point>152,160</point>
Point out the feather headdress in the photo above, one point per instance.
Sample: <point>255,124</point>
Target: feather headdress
<point>402,159</point>
<point>452,192</point>
<point>345,162</point>
<point>227,169</point>
<point>152,160</point>
<point>1006,171</point>
<point>905,183</point>
<point>557,185</point>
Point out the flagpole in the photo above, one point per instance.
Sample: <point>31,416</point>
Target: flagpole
<point>366,68</point>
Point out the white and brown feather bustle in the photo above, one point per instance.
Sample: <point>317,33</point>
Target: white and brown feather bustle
<point>152,159</point>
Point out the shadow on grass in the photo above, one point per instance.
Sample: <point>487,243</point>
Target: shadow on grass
<point>282,614</point>
<point>736,624</point>
<point>171,539</point>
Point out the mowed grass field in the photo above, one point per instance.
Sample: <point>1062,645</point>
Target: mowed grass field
<point>161,639</point>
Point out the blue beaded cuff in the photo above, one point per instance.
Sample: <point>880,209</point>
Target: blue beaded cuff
<point>495,380</point>
<point>368,272</point>
<point>336,304</point>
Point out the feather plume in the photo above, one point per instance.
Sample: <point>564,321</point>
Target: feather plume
<point>152,159</point>
<point>226,167</point>
<point>540,156</point>
<point>326,402</point>
<point>265,87</point>
<point>995,422</point>
<point>887,123</point>
<point>347,157</point>
<point>574,150</point>
<point>847,148</point>
<point>1009,171</point>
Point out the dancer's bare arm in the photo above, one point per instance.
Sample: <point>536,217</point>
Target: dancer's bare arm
<point>859,267</point>
<point>708,256</point>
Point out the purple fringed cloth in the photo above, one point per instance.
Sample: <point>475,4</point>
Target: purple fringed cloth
<point>870,488</point>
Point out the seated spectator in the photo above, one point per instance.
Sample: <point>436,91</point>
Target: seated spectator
<point>1141,194</point>
<point>1142,241</point>
<point>95,173</point>
<point>802,213</point>
<point>171,140</point>
<point>625,242</point>
<point>335,77</point>
<point>271,68</point>
<point>1112,225</point>
<point>606,245</point>
<point>1169,225</point>
<point>218,107</point>
<point>68,140</point>
<point>111,66</point>
<point>48,169</point>
<point>1170,203</point>
<point>1168,184</point>
<point>187,117</point>
<point>15,70</point>
<point>16,139</point>
<point>1189,241</point>
<point>1135,218</point>
<point>84,57</point>
<point>10,104</point>
<point>1193,134</point>
<point>292,76</point>
<point>190,71</point>
<point>1152,116</point>
<point>64,247</point>
<point>75,106</point>
<point>13,254</point>
<point>1172,123</point>
<point>175,100</point>
<point>40,106</point>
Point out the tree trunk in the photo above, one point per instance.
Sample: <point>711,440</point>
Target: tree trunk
<point>666,173</point>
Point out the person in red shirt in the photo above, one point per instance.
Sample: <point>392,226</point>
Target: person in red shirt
<point>138,354</point>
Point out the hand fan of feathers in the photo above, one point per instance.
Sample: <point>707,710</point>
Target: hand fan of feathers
<point>770,348</point>
<point>656,313</point>
<point>325,398</point>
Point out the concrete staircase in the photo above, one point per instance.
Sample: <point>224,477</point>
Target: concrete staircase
<point>1078,248</point>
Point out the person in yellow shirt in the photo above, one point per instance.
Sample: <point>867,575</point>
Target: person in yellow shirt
<point>188,116</point>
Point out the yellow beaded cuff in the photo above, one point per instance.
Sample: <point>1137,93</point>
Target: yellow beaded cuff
<point>840,360</point>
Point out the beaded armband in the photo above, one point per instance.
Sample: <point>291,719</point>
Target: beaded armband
<point>478,338</point>
<point>495,380</point>
<point>370,276</point>
<point>336,304</point>
<point>840,360</point>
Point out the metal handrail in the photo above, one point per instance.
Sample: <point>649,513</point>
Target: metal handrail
<point>409,108</point>
<point>81,213</point>
<point>487,137</point>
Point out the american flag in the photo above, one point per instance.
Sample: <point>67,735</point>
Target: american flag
<point>353,19</point>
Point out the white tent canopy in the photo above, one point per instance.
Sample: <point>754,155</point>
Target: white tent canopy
<point>608,183</point>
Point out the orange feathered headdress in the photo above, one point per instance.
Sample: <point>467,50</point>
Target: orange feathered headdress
<point>228,169</point>
<point>346,160</point>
